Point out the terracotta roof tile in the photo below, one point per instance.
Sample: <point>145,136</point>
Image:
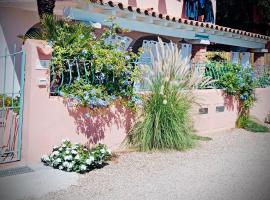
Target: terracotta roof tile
<point>181,20</point>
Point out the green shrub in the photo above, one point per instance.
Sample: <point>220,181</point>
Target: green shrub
<point>166,122</point>
<point>76,157</point>
<point>263,81</point>
<point>237,81</point>
<point>250,125</point>
<point>88,68</point>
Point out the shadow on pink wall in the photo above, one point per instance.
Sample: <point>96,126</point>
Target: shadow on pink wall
<point>49,119</point>
<point>229,102</point>
<point>93,123</point>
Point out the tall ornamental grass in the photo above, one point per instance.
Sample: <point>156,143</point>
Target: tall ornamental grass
<point>165,122</point>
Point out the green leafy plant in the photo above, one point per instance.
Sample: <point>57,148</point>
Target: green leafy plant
<point>165,122</point>
<point>9,102</point>
<point>76,157</point>
<point>263,81</point>
<point>251,125</point>
<point>87,67</point>
<point>237,81</point>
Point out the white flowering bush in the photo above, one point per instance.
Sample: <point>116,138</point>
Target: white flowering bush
<point>77,157</point>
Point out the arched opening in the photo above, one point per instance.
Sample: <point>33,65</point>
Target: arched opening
<point>139,42</point>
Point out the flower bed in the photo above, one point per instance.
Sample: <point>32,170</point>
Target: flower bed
<point>76,157</point>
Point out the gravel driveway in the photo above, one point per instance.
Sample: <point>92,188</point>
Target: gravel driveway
<point>235,165</point>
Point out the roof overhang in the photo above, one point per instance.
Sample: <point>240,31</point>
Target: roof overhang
<point>145,23</point>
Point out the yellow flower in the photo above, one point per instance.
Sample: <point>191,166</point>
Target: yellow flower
<point>165,102</point>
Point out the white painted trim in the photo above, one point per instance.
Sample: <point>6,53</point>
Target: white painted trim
<point>260,50</point>
<point>161,26</point>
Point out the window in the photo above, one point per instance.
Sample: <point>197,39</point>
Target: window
<point>186,50</point>
<point>245,60</point>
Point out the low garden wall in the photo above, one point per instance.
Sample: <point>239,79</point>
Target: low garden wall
<point>48,119</point>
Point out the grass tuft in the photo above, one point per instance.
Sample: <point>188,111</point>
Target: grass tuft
<point>166,122</point>
<point>251,125</point>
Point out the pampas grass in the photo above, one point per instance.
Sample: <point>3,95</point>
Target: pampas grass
<point>165,122</point>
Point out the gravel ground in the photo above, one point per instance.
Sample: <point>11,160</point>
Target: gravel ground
<point>235,165</point>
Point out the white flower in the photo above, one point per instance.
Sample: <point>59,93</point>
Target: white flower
<point>83,167</point>
<point>70,165</point>
<point>68,157</point>
<point>109,151</point>
<point>88,162</point>
<point>81,36</point>
<point>65,164</point>
<point>64,146</point>
<point>60,149</point>
<point>55,153</point>
<point>56,162</point>
<point>96,25</point>
<point>55,147</point>
<point>74,147</point>
<point>45,158</point>
<point>74,152</point>
<point>77,157</point>
<point>103,151</point>
<point>165,101</point>
<point>67,152</point>
<point>61,167</point>
<point>91,158</point>
<point>65,140</point>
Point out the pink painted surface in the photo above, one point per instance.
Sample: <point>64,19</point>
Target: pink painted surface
<point>262,106</point>
<point>172,8</point>
<point>169,7</point>
<point>48,120</point>
<point>214,121</point>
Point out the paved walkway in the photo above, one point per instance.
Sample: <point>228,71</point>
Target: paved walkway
<point>36,184</point>
<point>235,165</point>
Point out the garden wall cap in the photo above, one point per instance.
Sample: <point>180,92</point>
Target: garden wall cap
<point>150,12</point>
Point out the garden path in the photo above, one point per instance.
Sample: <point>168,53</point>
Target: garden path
<point>234,165</point>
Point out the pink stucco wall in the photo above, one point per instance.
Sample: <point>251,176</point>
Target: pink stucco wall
<point>261,107</point>
<point>169,7</point>
<point>48,120</point>
<point>214,121</point>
